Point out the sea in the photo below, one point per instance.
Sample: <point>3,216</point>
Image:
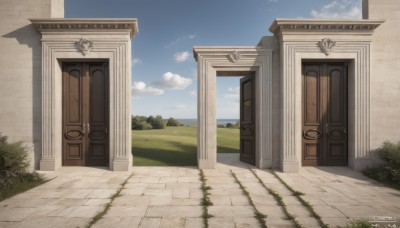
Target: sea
<point>219,121</point>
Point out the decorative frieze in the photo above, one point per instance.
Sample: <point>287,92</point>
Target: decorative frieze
<point>73,24</point>
<point>308,25</point>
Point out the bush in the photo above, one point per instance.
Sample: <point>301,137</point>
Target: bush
<point>158,123</point>
<point>220,126</point>
<point>390,172</point>
<point>171,122</point>
<point>14,163</point>
<point>147,123</point>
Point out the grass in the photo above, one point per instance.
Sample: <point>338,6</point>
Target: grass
<point>257,214</point>
<point>279,200</point>
<point>306,204</point>
<point>176,146</point>
<point>20,185</point>
<point>101,214</point>
<point>205,201</point>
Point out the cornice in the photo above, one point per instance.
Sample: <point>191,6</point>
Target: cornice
<point>86,24</point>
<point>319,25</point>
<point>234,52</point>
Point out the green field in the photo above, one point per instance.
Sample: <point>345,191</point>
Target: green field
<point>176,146</point>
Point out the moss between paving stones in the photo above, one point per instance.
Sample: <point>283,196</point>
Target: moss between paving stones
<point>279,200</point>
<point>257,214</point>
<point>306,204</point>
<point>101,214</point>
<point>205,201</point>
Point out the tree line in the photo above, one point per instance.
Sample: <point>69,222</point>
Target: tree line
<point>152,122</point>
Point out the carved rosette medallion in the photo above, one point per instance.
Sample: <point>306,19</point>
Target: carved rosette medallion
<point>326,45</point>
<point>234,56</point>
<point>84,46</point>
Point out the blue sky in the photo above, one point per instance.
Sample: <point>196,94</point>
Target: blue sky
<point>163,68</point>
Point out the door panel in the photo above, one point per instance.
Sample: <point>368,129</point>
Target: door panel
<point>85,114</point>
<point>74,142</point>
<point>98,121</point>
<point>247,119</point>
<point>324,114</point>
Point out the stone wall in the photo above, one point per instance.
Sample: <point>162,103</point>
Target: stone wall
<point>385,71</point>
<point>20,74</point>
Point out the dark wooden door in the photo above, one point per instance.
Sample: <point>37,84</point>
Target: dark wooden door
<point>85,114</point>
<point>325,114</point>
<point>247,119</point>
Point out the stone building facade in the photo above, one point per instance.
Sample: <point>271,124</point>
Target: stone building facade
<point>317,92</point>
<point>326,91</point>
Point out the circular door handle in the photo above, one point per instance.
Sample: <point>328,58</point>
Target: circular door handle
<point>307,135</point>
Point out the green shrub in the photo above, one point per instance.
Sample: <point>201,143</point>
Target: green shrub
<point>359,224</point>
<point>171,122</point>
<point>389,173</point>
<point>14,163</point>
<point>220,126</point>
<point>147,123</point>
<point>158,123</point>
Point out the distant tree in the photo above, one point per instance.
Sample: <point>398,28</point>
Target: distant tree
<point>171,122</point>
<point>237,124</point>
<point>139,122</point>
<point>150,120</point>
<point>229,125</point>
<point>158,123</point>
<point>220,126</point>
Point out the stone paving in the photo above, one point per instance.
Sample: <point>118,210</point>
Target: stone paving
<point>171,197</point>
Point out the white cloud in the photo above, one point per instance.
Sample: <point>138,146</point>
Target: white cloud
<point>136,61</point>
<point>179,106</point>
<point>181,56</point>
<point>140,88</point>
<point>193,93</point>
<point>235,90</point>
<point>172,81</point>
<point>273,0</point>
<point>346,9</point>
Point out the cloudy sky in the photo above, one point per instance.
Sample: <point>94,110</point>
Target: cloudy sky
<point>163,68</point>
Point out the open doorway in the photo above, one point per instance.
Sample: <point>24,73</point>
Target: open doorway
<point>236,135</point>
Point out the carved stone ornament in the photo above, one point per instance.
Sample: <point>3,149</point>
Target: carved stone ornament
<point>84,45</point>
<point>234,56</point>
<point>326,45</point>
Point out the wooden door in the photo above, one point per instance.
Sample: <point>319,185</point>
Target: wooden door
<point>85,114</point>
<point>247,119</point>
<point>325,114</point>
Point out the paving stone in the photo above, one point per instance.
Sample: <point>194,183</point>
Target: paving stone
<point>150,222</point>
<point>97,202</point>
<point>181,193</point>
<point>120,222</point>
<point>125,211</point>
<point>160,200</point>
<point>246,222</point>
<point>194,223</point>
<point>226,222</point>
<point>185,202</point>
<point>239,200</point>
<point>167,222</point>
<point>231,211</point>
<point>174,211</point>
<point>15,214</point>
<point>86,211</point>
<point>220,200</point>
<point>101,193</point>
<point>128,200</point>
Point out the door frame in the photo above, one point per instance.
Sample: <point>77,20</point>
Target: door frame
<point>233,61</point>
